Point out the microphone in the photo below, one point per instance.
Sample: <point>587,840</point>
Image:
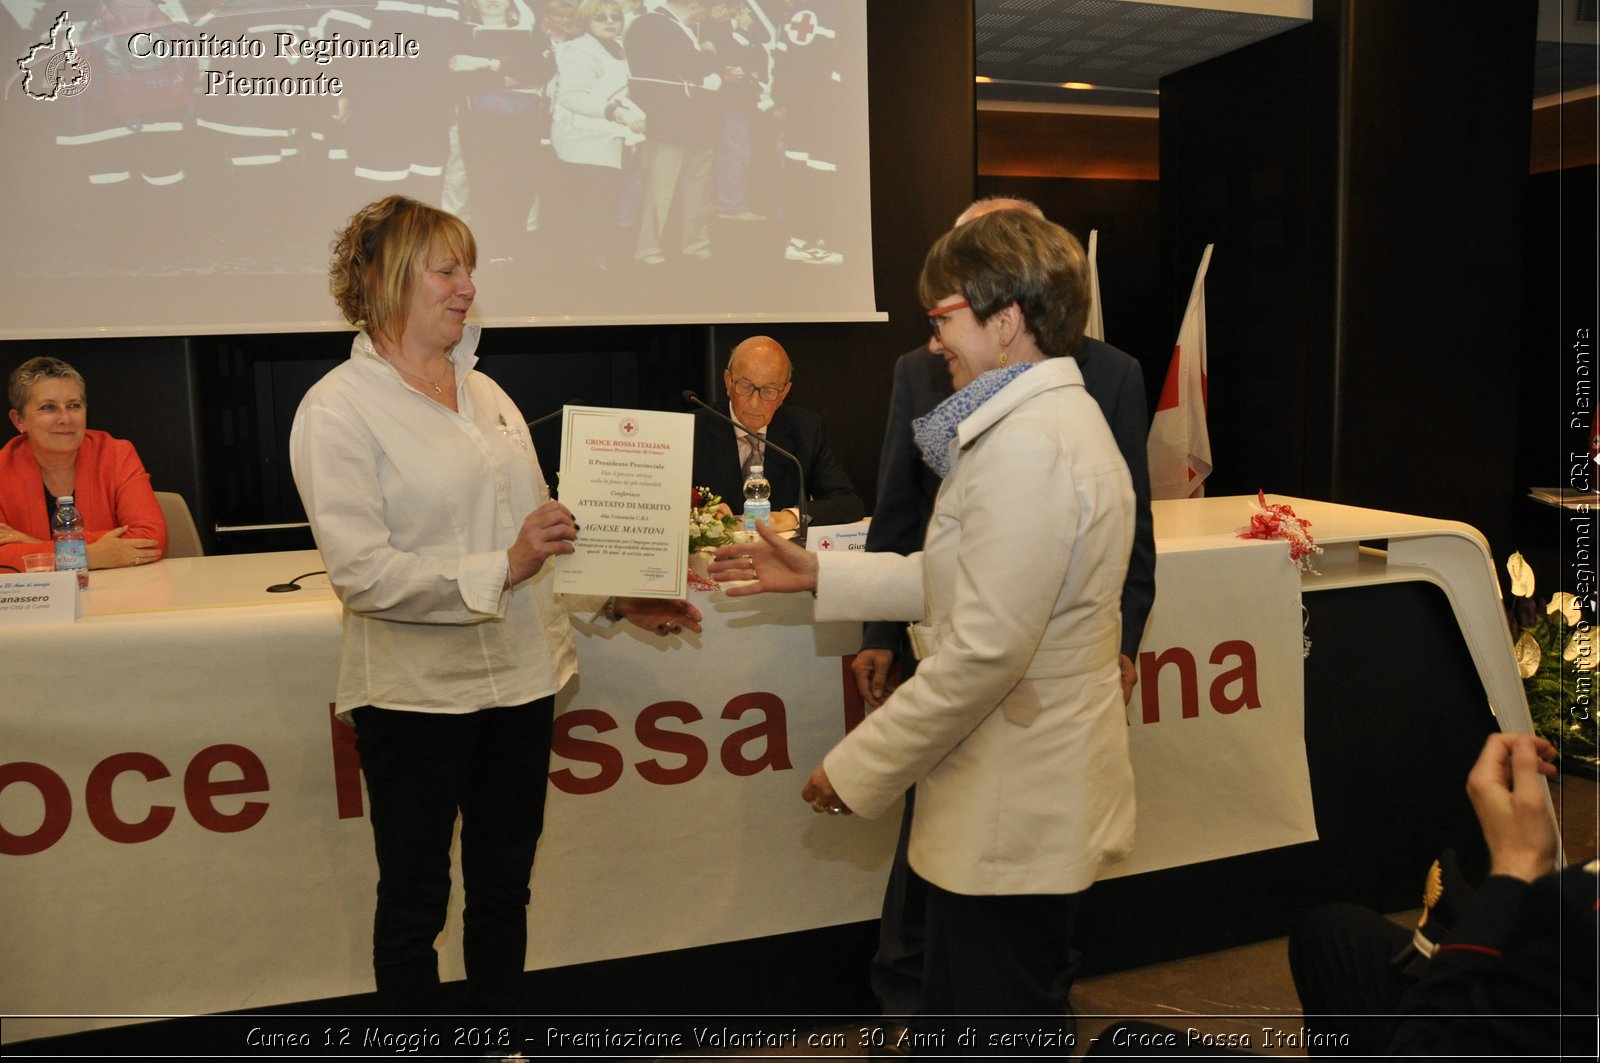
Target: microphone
<point>763,444</point>
<point>294,584</point>
<point>552,415</point>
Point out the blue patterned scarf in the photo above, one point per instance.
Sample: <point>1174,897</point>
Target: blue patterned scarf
<point>934,430</point>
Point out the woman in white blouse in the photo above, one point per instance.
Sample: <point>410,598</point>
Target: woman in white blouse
<point>594,122</point>
<point>1012,729</point>
<point>435,524</point>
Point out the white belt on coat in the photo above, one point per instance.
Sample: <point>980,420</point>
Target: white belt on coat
<point>1022,705</point>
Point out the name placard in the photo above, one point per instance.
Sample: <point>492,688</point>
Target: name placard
<point>39,598</point>
<point>837,536</point>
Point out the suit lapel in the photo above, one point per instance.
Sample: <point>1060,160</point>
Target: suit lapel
<point>723,449</point>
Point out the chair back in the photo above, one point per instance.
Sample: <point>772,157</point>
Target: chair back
<point>183,538</point>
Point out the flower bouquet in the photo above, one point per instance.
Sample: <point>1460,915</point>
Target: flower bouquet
<point>1556,653</point>
<point>708,529</point>
<point>1276,520</point>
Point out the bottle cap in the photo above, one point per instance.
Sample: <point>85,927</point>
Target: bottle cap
<point>755,470</point>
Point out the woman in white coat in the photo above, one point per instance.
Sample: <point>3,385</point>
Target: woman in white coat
<point>594,122</point>
<point>1013,728</point>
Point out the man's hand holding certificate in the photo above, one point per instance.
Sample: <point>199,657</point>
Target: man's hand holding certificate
<point>625,476</point>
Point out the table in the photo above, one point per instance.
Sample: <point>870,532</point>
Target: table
<point>173,777</point>
<point>1366,547</point>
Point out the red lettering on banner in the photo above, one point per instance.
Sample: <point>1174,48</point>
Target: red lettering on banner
<point>103,814</point>
<point>687,746</point>
<point>346,769</point>
<point>199,788</point>
<point>602,756</point>
<point>57,808</point>
<point>1249,697</point>
<point>774,728</point>
<point>1150,666</point>
<point>1243,673</point>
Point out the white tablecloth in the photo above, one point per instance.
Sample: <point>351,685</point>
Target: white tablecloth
<point>182,828</point>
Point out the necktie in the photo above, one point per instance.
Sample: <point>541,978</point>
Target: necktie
<point>752,446</point>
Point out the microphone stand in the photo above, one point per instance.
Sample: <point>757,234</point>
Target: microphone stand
<point>762,444</point>
<point>294,584</point>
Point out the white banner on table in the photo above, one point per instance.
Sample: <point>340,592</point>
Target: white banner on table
<point>1216,727</point>
<point>191,787</point>
<point>186,785</point>
<point>625,476</point>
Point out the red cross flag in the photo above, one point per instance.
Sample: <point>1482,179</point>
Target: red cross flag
<point>1180,445</point>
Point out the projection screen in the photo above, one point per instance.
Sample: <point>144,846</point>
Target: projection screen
<point>180,168</point>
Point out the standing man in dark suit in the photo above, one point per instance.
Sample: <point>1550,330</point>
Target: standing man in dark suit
<point>675,82</point>
<point>757,380</point>
<point>906,490</point>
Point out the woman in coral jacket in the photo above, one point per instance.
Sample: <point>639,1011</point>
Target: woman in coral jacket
<point>57,454</point>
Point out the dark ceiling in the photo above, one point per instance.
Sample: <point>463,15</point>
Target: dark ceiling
<point>1028,48</point>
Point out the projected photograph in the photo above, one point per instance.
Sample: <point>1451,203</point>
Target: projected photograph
<point>179,167</point>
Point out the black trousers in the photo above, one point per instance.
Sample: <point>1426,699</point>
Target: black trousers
<point>423,768</point>
<point>899,966</point>
<point>1004,955</point>
<point>896,970</point>
<point>1340,957</point>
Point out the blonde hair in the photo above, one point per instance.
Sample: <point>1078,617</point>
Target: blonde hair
<point>377,255</point>
<point>590,8</point>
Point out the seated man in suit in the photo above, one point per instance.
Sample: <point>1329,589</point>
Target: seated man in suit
<point>757,381</point>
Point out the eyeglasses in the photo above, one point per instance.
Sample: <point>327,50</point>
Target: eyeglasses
<point>744,389</point>
<point>937,316</point>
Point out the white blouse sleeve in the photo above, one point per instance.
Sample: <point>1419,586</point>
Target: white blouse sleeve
<point>336,468</point>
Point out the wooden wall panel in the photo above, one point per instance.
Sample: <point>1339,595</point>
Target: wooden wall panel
<point>1043,143</point>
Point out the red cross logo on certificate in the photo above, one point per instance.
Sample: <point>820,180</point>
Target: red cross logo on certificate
<point>826,544</point>
<point>628,426</point>
<point>802,27</point>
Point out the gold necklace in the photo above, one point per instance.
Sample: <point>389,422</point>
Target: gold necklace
<point>434,383</point>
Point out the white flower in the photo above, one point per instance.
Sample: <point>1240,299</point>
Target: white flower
<point>1521,576</point>
<point>1567,606</point>
<point>1528,655</point>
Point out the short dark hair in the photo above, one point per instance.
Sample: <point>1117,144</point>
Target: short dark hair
<point>1010,256</point>
<point>29,373</point>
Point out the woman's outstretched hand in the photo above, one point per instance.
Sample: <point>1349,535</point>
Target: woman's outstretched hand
<point>770,563</point>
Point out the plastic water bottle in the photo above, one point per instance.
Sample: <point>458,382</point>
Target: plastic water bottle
<point>757,498</point>
<point>71,550</point>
